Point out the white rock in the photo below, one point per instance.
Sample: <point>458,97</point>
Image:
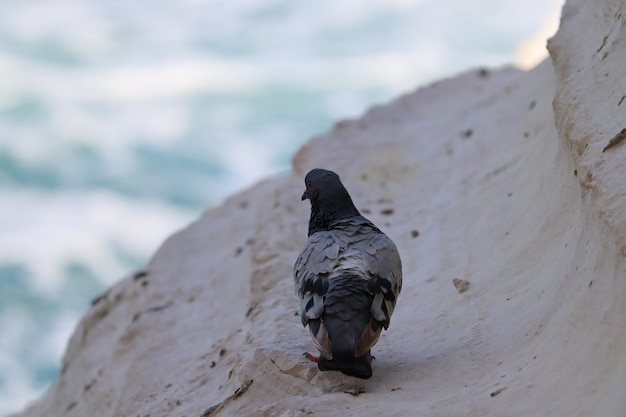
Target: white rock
<point>473,182</point>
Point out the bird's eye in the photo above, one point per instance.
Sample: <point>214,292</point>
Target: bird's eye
<point>309,184</point>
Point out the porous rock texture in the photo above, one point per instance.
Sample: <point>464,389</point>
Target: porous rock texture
<point>505,192</point>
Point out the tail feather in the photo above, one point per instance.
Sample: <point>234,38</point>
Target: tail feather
<point>360,367</point>
<point>347,319</point>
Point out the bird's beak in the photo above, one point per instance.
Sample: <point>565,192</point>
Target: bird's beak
<point>305,195</point>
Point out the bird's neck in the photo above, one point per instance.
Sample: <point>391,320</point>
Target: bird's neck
<point>325,213</point>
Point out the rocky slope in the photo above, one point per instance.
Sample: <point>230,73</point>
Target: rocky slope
<point>508,184</point>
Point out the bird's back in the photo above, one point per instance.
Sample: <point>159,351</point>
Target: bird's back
<point>348,279</point>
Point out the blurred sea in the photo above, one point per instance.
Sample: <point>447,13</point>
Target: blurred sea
<point>121,122</point>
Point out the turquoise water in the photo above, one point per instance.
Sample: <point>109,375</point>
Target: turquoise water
<point>120,122</point>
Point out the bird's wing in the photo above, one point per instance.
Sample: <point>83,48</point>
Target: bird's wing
<point>314,264</point>
<point>382,266</point>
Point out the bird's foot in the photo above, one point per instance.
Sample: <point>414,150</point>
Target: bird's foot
<point>315,359</point>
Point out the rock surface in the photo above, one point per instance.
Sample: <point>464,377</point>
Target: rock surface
<point>510,183</point>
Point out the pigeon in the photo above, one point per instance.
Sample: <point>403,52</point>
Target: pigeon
<point>348,277</point>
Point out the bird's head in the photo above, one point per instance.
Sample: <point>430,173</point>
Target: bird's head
<point>330,200</point>
<point>322,184</point>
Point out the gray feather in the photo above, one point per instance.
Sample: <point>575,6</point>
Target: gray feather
<point>352,243</point>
